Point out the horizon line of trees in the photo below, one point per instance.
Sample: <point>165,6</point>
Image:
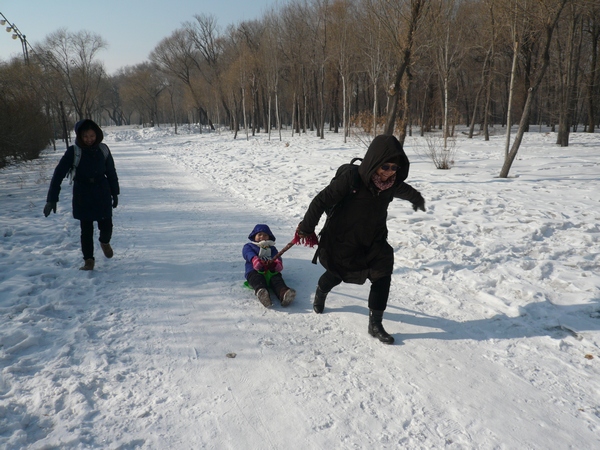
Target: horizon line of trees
<point>379,66</point>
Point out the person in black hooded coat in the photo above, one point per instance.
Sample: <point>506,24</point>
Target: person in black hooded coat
<point>95,189</point>
<point>353,244</point>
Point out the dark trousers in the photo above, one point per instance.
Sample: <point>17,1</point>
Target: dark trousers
<point>87,235</point>
<point>258,281</point>
<point>378,295</point>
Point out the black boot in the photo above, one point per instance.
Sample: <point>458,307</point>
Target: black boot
<point>376,328</point>
<point>319,301</point>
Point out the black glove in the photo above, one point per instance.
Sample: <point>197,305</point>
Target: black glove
<point>50,206</point>
<point>419,204</point>
<point>302,233</point>
<point>115,201</point>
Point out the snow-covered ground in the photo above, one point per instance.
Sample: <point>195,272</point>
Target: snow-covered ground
<point>495,304</point>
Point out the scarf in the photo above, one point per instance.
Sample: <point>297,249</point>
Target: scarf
<point>383,185</point>
<point>265,249</point>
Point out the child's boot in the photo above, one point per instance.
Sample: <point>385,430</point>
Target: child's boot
<point>287,297</point>
<point>264,297</point>
<point>88,264</point>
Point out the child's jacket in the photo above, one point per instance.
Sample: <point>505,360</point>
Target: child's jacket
<point>252,249</point>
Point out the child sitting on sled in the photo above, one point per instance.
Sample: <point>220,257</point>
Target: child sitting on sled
<point>263,270</point>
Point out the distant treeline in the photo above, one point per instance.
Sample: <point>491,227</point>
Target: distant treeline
<point>375,65</point>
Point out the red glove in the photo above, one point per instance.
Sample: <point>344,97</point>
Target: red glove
<point>257,264</point>
<point>277,265</point>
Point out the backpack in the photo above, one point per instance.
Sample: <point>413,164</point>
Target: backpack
<point>354,187</point>
<point>77,158</point>
<point>355,182</point>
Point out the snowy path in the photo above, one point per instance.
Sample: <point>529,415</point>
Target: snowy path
<point>133,355</point>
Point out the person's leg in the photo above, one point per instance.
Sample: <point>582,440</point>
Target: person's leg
<point>285,294</point>
<point>87,243</point>
<point>379,293</point>
<point>258,282</point>
<point>106,227</point>
<point>87,238</point>
<point>328,281</point>
<point>325,284</point>
<point>378,297</point>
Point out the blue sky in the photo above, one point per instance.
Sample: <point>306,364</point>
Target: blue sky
<point>132,28</point>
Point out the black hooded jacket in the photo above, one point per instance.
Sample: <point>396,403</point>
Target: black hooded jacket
<point>353,243</point>
<point>95,181</point>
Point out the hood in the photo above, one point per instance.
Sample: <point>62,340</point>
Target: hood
<point>84,125</point>
<point>261,227</point>
<point>384,149</point>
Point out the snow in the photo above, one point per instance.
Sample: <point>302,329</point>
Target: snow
<point>495,304</point>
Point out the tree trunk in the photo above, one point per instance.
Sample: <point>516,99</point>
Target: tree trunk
<point>277,118</point>
<point>406,107</point>
<point>593,78</point>
<point>269,117</point>
<point>445,118</point>
<point>566,109</point>
<point>374,108</point>
<point>484,74</point>
<point>244,112</point>
<point>322,101</point>
<point>486,112</point>
<point>510,96</point>
<point>393,93</point>
<point>344,118</point>
<point>549,30</point>
<point>294,107</point>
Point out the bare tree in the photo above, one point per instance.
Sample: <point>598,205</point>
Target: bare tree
<point>400,21</point>
<point>270,56</point>
<point>511,88</point>
<point>250,57</point>
<point>111,99</point>
<point>447,43</point>
<point>592,20</point>
<point>295,43</point>
<point>207,40</point>
<point>372,51</point>
<point>72,58</point>
<point>314,63</point>
<point>176,99</point>
<point>318,25</point>
<point>552,9</point>
<point>342,26</point>
<point>486,71</point>
<point>142,86</point>
<point>568,64</point>
<point>175,55</point>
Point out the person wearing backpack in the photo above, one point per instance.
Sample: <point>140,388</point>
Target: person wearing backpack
<point>353,243</point>
<point>95,188</point>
